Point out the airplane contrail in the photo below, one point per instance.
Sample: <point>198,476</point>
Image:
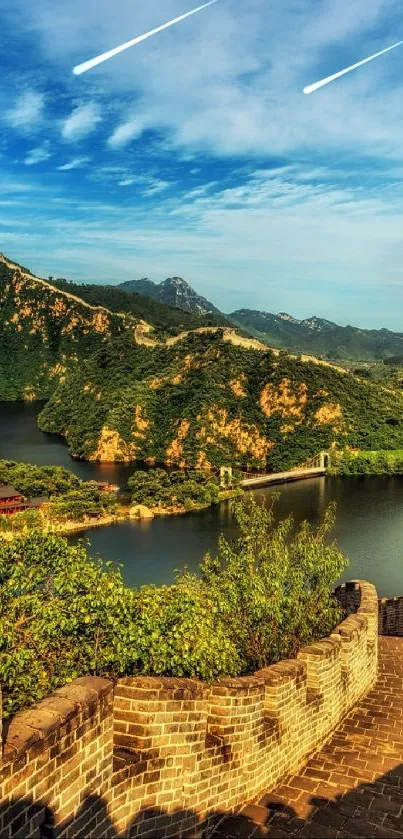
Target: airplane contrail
<point>312,87</point>
<point>88,65</point>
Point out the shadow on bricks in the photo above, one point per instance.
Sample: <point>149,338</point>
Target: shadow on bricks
<point>370,810</point>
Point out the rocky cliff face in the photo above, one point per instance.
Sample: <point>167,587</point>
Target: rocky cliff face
<point>173,291</point>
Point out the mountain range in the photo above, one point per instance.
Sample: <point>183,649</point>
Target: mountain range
<point>320,337</point>
<point>181,390</point>
<point>313,336</point>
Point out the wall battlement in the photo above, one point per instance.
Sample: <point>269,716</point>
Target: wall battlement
<point>390,616</point>
<point>159,756</point>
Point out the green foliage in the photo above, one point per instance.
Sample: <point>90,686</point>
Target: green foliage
<point>194,383</point>
<point>61,616</point>
<point>35,481</point>
<point>70,498</point>
<point>272,589</point>
<point>79,504</point>
<point>354,463</point>
<point>20,522</point>
<point>42,334</point>
<point>179,488</point>
<point>259,600</point>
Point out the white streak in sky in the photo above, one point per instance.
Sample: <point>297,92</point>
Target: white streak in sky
<point>312,87</point>
<point>88,65</point>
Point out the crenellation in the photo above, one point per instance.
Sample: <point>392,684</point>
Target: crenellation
<point>160,754</point>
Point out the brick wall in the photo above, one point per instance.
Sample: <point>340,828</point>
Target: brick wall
<point>161,756</point>
<point>390,616</point>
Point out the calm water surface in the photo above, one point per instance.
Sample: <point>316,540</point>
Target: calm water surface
<point>369,514</point>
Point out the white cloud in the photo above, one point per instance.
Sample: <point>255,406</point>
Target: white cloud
<point>156,186</point>
<point>27,113</point>
<point>76,163</point>
<point>126,132</point>
<point>37,155</point>
<point>127,182</point>
<point>149,185</point>
<point>81,122</point>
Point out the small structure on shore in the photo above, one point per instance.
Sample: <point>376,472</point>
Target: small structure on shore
<point>11,501</point>
<point>105,486</point>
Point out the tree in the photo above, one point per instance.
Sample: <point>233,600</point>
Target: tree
<point>272,589</point>
<point>63,615</point>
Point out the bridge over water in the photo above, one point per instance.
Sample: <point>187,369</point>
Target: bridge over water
<point>315,467</point>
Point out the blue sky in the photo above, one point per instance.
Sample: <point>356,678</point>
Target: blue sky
<point>196,154</point>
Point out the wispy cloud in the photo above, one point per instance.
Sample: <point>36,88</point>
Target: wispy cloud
<point>27,112</point>
<point>82,121</point>
<point>76,163</point>
<point>156,186</point>
<point>37,155</point>
<point>148,185</point>
<point>126,132</point>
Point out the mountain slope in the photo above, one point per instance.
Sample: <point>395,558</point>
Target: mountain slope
<point>205,402</point>
<point>174,292</point>
<point>45,332</point>
<point>165,317</point>
<point>46,327</point>
<point>318,336</point>
<point>120,389</point>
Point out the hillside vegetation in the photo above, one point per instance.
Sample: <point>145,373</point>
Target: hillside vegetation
<point>119,389</point>
<point>167,319</point>
<point>204,402</point>
<point>47,327</point>
<point>44,333</point>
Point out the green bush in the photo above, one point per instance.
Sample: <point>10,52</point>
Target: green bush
<point>348,463</point>
<point>35,481</point>
<point>80,503</point>
<point>179,488</point>
<point>259,600</point>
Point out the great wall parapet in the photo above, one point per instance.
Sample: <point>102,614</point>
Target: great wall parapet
<point>159,756</point>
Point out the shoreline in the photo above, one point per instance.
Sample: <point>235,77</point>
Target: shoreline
<point>72,527</point>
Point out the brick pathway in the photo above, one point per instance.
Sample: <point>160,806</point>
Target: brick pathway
<point>353,787</point>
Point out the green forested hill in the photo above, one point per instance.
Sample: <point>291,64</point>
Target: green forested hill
<point>47,328</point>
<point>44,333</point>
<point>167,319</point>
<point>116,392</point>
<point>205,402</point>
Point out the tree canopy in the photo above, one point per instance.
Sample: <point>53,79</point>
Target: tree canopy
<point>261,598</point>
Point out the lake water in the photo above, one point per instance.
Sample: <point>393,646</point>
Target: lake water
<point>369,514</point>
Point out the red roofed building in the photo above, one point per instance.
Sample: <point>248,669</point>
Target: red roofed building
<point>11,501</point>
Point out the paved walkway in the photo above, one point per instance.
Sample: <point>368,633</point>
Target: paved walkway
<point>353,787</point>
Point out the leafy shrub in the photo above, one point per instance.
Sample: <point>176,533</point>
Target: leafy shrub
<point>259,600</point>
<point>34,481</point>
<point>80,503</point>
<point>355,463</point>
<point>180,488</point>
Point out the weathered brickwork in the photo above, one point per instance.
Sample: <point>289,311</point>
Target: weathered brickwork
<point>391,616</point>
<point>353,786</point>
<point>160,757</point>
